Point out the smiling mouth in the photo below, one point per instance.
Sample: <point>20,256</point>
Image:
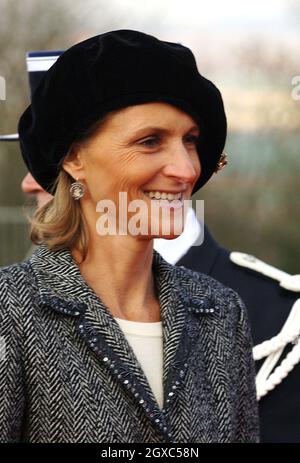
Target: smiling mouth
<point>158,195</point>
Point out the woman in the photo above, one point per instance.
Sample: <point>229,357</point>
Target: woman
<point>105,341</point>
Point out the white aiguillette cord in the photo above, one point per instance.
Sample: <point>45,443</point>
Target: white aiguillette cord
<point>290,332</point>
<point>273,349</point>
<point>287,281</point>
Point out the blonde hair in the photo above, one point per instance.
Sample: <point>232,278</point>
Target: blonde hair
<point>60,223</point>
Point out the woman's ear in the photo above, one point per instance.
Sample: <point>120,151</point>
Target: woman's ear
<point>73,164</point>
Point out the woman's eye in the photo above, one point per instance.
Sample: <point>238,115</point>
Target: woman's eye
<point>192,139</point>
<point>150,142</point>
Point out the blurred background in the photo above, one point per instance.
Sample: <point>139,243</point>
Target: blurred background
<point>249,49</point>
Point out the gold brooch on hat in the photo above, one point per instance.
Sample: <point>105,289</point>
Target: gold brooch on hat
<point>223,161</point>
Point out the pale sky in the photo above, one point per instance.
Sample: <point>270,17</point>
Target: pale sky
<point>265,16</point>
<point>195,11</point>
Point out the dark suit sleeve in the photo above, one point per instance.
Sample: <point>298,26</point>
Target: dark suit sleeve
<point>11,377</point>
<point>247,429</point>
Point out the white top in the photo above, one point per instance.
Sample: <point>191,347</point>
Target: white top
<point>147,344</point>
<point>173,250</point>
<point>146,338</point>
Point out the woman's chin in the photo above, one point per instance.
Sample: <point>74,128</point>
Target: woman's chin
<point>169,237</point>
<point>167,234</point>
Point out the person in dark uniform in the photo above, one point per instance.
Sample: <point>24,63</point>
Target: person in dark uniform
<point>272,298</point>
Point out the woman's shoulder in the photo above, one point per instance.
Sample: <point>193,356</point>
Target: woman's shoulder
<point>199,281</point>
<point>208,293</point>
<point>22,274</point>
<point>13,274</point>
<point>16,284</point>
<point>194,283</point>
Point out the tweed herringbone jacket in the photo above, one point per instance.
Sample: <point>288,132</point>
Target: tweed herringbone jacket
<point>68,373</point>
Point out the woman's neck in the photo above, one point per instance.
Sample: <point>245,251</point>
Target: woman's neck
<point>119,270</point>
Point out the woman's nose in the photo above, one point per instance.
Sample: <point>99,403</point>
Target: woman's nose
<point>183,164</point>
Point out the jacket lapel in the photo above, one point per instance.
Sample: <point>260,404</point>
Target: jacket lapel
<point>62,289</point>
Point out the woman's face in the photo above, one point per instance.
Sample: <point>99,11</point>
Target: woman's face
<point>145,151</point>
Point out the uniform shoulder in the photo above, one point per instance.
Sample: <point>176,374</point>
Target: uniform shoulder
<point>261,268</point>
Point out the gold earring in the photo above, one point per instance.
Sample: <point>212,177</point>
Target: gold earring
<point>223,161</point>
<point>77,190</point>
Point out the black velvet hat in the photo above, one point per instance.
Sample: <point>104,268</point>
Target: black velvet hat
<point>110,71</point>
